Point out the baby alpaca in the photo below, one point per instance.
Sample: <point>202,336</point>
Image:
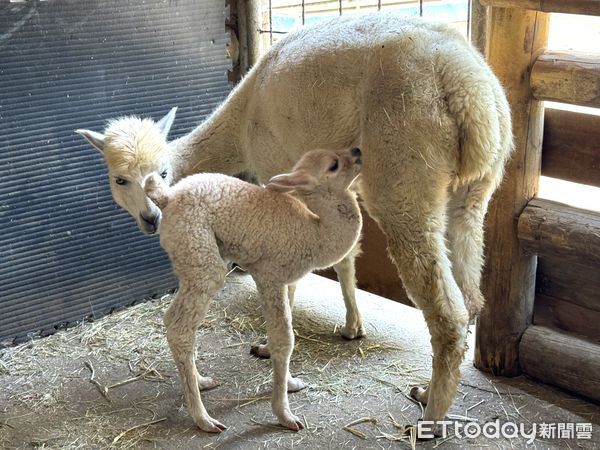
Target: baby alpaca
<point>208,219</point>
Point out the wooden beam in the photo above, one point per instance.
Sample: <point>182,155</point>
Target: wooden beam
<point>573,282</point>
<point>571,149</point>
<point>515,39</point>
<point>567,77</point>
<point>562,359</point>
<point>587,7</point>
<point>566,316</point>
<point>554,229</point>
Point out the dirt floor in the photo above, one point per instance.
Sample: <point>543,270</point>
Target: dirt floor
<point>112,383</point>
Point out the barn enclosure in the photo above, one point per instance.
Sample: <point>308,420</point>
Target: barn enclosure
<point>69,256</point>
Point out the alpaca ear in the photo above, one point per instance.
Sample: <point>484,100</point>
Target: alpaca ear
<point>93,137</point>
<point>165,123</point>
<point>288,182</point>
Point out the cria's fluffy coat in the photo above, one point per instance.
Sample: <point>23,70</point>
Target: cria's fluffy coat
<point>211,218</point>
<point>434,127</point>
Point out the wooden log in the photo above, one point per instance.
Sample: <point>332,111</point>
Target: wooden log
<point>587,7</point>
<point>568,77</point>
<point>551,228</point>
<point>576,283</point>
<point>375,271</point>
<point>571,148</point>
<point>562,359</point>
<point>515,38</point>
<point>566,316</point>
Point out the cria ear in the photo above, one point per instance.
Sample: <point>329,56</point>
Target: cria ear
<point>93,137</point>
<point>165,123</point>
<point>288,182</point>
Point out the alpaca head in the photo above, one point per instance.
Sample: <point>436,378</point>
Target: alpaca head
<point>133,148</point>
<point>320,170</point>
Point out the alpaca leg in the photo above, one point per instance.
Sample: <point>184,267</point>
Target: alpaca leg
<point>427,277</point>
<point>411,213</point>
<point>262,350</point>
<point>466,214</point>
<point>277,314</point>
<point>346,274</point>
<point>197,287</point>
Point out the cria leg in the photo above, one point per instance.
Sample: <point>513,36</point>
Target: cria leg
<point>262,350</point>
<point>277,314</point>
<point>346,274</point>
<point>197,286</point>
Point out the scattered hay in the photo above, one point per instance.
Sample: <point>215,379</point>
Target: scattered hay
<point>136,427</point>
<point>349,427</point>
<point>128,347</point>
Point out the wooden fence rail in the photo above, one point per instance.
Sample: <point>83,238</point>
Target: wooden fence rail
<point>568,77</point>
<point>548,227</point>
<point>587,7</point>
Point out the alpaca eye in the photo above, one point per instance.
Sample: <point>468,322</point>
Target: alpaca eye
<point>120,181</point>
<point>163,174</point>
<point>334,166</point>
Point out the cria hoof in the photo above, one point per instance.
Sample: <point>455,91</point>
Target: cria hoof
<point>419,394</point>
<point>261,351</point>
<point>211,425</point>
<point>353,332</point>
<point>293,423</point>
<point>295,385</point>
<point>207,383</point>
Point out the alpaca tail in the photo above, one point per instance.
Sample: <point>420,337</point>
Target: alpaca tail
<point>481,111</point>
<point>157,190</point>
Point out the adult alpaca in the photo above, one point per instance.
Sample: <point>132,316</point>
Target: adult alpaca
<point>434,127</point>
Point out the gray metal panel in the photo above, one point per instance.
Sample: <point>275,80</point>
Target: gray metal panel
<point>66,250</point>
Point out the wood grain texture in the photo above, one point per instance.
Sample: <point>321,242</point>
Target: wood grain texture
<point>568,77</point>
<point>571,149</point>
<point>576,283</point>
<point>563,315</point>
<point>588,7</point>
<point>552,228</point>
<point>515,39</point>
<point>562,359</point>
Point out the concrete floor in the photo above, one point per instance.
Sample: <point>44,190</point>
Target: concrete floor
<point>47,400</point>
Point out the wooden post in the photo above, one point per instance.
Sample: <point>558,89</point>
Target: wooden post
<point>478,25</point>
<point>248,14</point>
<point>515,38</point>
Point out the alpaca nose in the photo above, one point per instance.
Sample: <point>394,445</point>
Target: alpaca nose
<point>149,224</point>
<point>356,152</point>
<point>150,220</point>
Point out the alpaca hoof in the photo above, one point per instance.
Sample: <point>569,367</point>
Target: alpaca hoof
<point>295,385</point>
<point>292,422</point>
<point>261,351</point>
<point>430,431</point>
<point>207,383</point>
<point>420,394</point>
<point>211,425</point>
<point>353,332</point>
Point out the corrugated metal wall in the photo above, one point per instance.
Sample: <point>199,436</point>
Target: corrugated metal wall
<point>66,251</point>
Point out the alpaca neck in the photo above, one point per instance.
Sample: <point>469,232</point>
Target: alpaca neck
<point>214,145</point>
<point>339,217</point>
